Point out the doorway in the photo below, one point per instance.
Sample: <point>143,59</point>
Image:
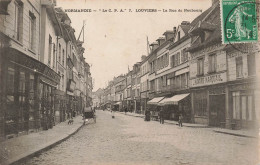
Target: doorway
<point>216,109</point>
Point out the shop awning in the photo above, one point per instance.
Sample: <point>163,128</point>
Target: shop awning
<point>155,100</point>
<point>117,103</point>
<point>174,99</point>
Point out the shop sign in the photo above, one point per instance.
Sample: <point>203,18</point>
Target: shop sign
<point>209,80</point>
<point>235,54</point>
<point>240,87</point>
<point>26,61</point>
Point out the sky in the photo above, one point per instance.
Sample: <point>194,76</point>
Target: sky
<point>115,41</point>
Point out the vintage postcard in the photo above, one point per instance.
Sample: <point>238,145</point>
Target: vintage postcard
<point>129,82</point>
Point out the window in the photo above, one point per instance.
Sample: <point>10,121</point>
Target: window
<point>10,95</point>
<point>53,56</point>
<point>168,81</point>
<point>138,92</point>
<point>10,80</point>
<point>200,67</point>
<point>184,56</point>
<point>172,61</point>
<point>167,59</point>
<point>183,81</point>
<point>179,35</point>
<point>63,57</point>
<point>202,37</point>
<point>177,59</point>
<point>236,105</point>
<point>59,53</point>
<point>212,63</point>
<point>239,67</point>
<point>31,97</point>
<point>18,20</point>
<point>32,26</point>
<point>251,65</point>
<point>49,52</point>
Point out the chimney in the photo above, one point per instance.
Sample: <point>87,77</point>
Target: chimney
<point>154,45</point>
<point>160,40</point>
<point>168,34</point>
<point>143,57</point>
<point>174,30</point>
<point>185,23</point>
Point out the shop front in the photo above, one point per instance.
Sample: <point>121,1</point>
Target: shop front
<point>209,105</point>
<point>27,93</point>
<point>176,105</point>
<point>137,105</point>
<point>154,107</point>
<point>243,102</point>
<point>60,106</point>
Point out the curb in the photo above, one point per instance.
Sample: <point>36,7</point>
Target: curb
<point>21,160</point>
<point>234,134</point>
<point>228,133</point>
<point>172,123</point>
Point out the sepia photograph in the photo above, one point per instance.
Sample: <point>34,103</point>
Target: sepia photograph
<point>129,82</point>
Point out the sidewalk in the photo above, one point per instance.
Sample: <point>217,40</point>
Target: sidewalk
<point>17,149</point>
<point>242,133</point>
<point>169,121</point>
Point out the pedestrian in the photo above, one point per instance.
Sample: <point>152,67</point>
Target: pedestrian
<point>161,115</point>
<point>180,120</point>
<point>147,115</point>
<point>125,109</point>
<point>74,113</point>
<point>113,113</point>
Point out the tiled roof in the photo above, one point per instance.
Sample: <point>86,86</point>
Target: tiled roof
<point>210,22</point>
<point>185,28</point>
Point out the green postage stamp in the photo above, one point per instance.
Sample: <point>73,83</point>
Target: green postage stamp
<point>239,21</point>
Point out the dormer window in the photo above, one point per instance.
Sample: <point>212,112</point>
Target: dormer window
<point>179,35</point>
<point>202,37</point>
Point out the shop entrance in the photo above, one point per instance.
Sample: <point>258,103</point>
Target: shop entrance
<point>216,109</point>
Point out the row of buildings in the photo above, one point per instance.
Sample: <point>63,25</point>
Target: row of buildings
<point>189,71</point>
<point>44,78</point>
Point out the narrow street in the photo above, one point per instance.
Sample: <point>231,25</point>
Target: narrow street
<point>130,140</point>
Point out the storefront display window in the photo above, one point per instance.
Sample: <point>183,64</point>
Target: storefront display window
<point>250,107</point>
<point>21,95</point>
<point>10,109</point>
<point>243,105</point>
<point>236,105</point>
<point>31,97</point>
<point>243,102</point>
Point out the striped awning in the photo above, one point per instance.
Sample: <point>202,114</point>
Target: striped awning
<point>155,100</point>
<point>174,99</point>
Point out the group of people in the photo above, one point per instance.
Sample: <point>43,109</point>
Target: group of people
<point>161,116</point>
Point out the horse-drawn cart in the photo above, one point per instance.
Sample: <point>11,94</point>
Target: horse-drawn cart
<point>89,114</point>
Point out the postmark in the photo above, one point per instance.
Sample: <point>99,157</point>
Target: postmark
<point>239,21</point>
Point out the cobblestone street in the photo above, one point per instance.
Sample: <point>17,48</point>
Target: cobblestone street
<point>130,140</point>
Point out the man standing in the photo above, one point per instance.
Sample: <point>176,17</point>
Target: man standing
<point>161,114</point>
<point>180,120</point>
<point>125,109</point>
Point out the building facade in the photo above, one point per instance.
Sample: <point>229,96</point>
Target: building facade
<point>34,66</point>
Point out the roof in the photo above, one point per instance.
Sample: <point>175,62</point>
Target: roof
<point>185,28</point>
<point>53,17</point>
<point>210,22</point>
